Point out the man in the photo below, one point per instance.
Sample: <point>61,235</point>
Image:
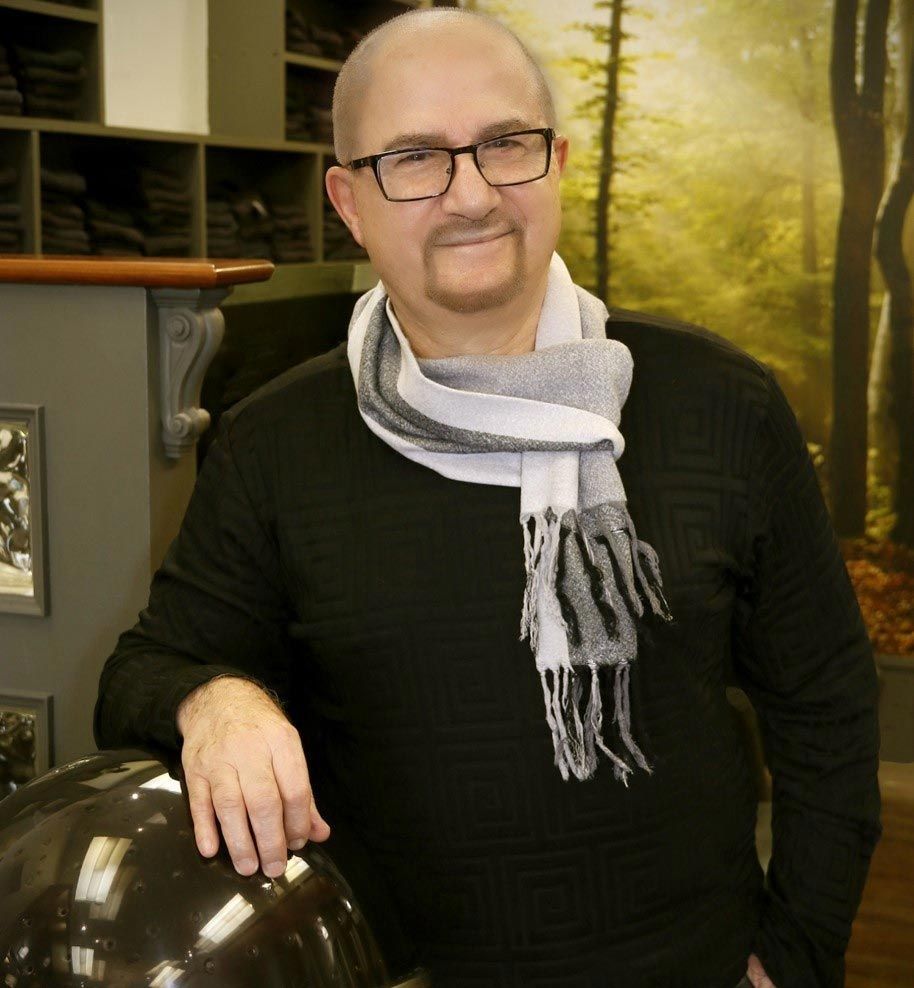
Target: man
<point>569,806</point>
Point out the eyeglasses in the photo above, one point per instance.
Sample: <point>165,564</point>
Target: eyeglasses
<point>423,173</point>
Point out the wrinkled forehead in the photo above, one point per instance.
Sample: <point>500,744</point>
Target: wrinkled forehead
<point>449,89</point>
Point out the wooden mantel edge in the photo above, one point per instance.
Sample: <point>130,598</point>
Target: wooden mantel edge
<point>150,272</point>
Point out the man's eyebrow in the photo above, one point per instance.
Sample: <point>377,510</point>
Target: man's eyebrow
<point>419,140</point>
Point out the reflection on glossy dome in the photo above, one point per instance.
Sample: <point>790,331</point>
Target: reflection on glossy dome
<point>101,883</point>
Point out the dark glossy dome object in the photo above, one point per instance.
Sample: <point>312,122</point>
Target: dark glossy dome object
<point>101,883</point>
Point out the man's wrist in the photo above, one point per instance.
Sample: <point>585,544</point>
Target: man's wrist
<point>237,684</point>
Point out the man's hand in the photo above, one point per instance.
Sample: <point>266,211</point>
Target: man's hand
<point>756,974</point>
<point>243,761</point>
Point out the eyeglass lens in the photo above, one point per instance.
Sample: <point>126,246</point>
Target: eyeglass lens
<point>503,161</point>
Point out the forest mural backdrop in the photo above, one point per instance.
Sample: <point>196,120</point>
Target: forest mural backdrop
<point>749,165</point>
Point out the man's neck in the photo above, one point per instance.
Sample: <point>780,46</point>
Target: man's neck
<point>436,332</point>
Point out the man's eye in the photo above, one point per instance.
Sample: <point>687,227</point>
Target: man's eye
<point>414,157</point>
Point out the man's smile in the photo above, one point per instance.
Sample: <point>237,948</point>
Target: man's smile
<point>481,242</point>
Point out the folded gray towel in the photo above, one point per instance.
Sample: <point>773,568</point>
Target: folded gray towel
<point>69,58</point>
<point>39,73</point>
<point>63,180</point>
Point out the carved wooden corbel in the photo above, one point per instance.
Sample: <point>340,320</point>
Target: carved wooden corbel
<point>191,327</point>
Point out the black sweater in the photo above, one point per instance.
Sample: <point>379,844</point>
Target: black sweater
<point>382,601</point>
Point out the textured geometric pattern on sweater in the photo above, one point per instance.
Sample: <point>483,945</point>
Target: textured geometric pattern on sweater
<point>381,600</point>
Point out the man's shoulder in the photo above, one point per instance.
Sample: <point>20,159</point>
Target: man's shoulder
<point>317,383</point>
<point>664,336</point>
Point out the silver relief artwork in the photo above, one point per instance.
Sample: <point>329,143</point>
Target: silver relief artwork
<point>17,749</point>
<point>26,732</point>
<point>16,575</point>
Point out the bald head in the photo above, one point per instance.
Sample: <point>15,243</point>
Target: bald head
<point>418,27</point>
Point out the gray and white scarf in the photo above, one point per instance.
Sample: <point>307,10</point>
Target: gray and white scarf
<point>546,422</point>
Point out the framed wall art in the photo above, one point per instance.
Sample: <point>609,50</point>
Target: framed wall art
<point>26,738</point>
<point>23,521</point>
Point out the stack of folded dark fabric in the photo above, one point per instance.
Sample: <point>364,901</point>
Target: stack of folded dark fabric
<point>308,117</point>
<point>51,82</point>
<point>114,230</point>
<point>320,119</point>
<point>306,38</point>
<point>298,34</point>
<point>10,212</point>
<point>298,125</point>
<point>152,201</point>
<point>222,238</point>
<point>339,244</point>
<point>255,224</point>
<point>166,215</point>
<point>10,96</point>
<point>311,39</point>
<point>331,42</point>
<point>307,122</point>
<point>241,222</point>
<point>291,234</point>
<point>63,218</point>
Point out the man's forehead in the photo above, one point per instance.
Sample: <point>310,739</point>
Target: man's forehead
<point>459,86</point>
<point>443,138</point>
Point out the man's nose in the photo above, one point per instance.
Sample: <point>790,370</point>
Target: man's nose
<point>469,193</point>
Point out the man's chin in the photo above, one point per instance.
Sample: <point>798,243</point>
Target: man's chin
<point>475,288</point>
<point>468,299</point>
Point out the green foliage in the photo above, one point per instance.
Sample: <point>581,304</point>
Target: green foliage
<point>720,103</point>
<point>707,203</point>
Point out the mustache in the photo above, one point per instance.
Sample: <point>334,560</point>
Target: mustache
<point>466,234</point>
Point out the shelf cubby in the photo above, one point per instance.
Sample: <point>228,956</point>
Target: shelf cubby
<point>309,95</point>
<point>16,212</point>
<point>152,182</point>
<point>54,37</point>
<point>270,195</point>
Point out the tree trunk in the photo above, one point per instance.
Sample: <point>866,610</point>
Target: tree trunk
<point>809,303</point>
<point>890,253</point>
<point>858,119</point>
<point>607,153</point>
<point>883,436</point>
<point>808,112</point>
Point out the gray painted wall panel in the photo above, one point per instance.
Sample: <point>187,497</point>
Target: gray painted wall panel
<point>89,355</point>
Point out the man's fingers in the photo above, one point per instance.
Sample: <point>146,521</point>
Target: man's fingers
<point>231,809</point>
<point>265,811</point>
<point>757,975</point>
<point>300,816</point>
<point>201,811</point>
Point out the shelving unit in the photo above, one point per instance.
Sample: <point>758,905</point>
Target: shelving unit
<point>253,146</point>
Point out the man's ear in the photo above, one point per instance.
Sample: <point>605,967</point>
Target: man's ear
<point>560,150</point>
<point>338,182</point>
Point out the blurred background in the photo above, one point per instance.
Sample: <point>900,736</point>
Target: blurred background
<point>747,165</point>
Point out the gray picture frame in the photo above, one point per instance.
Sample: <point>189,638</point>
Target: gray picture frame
<point>38,706</point>
<point>37,603</point>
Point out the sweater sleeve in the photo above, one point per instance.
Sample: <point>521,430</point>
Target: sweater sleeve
<point>802,655</point>
<point>217,607</point>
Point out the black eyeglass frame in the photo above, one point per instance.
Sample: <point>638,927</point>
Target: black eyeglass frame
<point>374,159</point>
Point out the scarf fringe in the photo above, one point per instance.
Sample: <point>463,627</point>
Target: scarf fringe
<point>576,740</point>
<point>541,556</point>
<point>575,744</point>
